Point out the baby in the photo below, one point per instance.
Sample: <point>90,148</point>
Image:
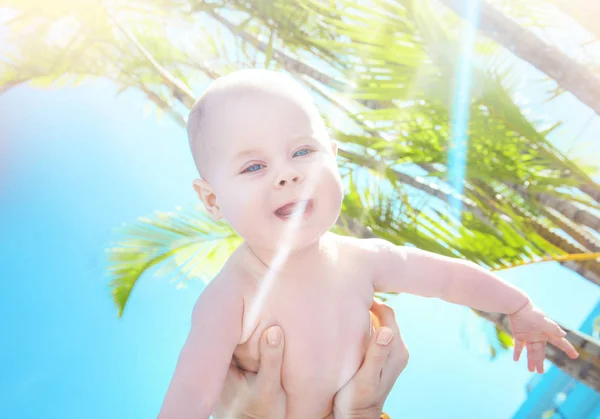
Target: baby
<point>269,168</point>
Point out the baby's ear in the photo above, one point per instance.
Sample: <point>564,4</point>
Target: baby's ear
<point>207,195</point>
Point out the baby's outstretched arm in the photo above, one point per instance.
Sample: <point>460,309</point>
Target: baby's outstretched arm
<point>406,269</point>
<point>415,271</point>
<point>204,360</point>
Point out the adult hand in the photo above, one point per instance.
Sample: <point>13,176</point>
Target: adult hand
<point>363,396</point>
<point>248,395</point>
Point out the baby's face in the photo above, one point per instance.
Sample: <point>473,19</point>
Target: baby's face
<point>270,159</point>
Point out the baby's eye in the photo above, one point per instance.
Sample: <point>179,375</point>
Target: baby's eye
<point>254,168</point>
<point>303,152</point>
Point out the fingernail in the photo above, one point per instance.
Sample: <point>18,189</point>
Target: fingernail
<point>274,336</point>
<point>384,336</point>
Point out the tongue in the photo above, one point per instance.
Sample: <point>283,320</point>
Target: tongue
<point>290,208</point>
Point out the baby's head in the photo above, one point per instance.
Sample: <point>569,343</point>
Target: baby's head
<point>263,152</point>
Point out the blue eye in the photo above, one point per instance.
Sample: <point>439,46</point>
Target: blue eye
<point>254,168</point>
<point>302,152</point>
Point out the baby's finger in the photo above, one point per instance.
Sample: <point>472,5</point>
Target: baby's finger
<point>564,345</point>
<point>539,354</point>
<point>554,329</point>
<point>531,336</point>
<point>530,357</point>
<point>519,344</point>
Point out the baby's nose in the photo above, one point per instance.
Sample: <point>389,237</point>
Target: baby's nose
<point>289,177</point>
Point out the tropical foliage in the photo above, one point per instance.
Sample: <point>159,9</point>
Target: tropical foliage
<point>387,77</point>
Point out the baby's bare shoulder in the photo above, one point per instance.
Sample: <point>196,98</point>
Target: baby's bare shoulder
<point>362,255</point>
<point>233,278</point>
<point>363,249</point>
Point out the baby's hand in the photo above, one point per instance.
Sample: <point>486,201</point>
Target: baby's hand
<point>533,329</point>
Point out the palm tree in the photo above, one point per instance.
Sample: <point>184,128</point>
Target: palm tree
<point>570,75</point>
<point>385,70</point>
<point>585,12</point>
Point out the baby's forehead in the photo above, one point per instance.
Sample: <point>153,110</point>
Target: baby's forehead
<point>239,117</point>
<point>237,100</point>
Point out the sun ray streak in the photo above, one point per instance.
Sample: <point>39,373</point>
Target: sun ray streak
<point>457,153</point>
<point>284,247</point>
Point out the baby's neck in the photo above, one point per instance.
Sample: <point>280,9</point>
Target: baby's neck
<point>296,260</point>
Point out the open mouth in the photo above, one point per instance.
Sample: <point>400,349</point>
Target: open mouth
<point>298,209</point>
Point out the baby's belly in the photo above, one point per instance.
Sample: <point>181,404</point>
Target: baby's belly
<point>322,352</point>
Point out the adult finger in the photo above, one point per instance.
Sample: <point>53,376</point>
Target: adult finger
<point>234,387</point>
<point>271,345</point>
<point>396,362</point>
<point>376,355</point>
<point>398,353</point>
<point>564,345</point>
<point>386,316</point>
<point>233,374</point>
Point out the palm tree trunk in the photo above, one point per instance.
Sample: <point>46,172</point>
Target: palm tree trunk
<point>430,189</point>
<point>585,369</point>
<point>290,64</point>
<point>588,242</point>
<point>10,85</point>
<point>584,12</point>
<point>594,193</point>
<point>163,105</point>
<point>590,270</point>
<point>295,66</point>
<point>567,209</point>
<point>571,76</point>
<point>180,91</point>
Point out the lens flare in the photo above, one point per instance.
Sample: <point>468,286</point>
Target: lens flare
<point>457,152</point>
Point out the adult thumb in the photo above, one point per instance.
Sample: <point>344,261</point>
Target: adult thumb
<point>271,359</point>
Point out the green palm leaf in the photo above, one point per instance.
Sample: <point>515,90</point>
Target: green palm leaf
<point>186,243</point>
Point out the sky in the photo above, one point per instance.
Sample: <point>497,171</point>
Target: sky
<point>77,162</point>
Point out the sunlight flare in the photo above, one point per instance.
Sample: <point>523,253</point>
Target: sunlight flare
<point>457,152</point>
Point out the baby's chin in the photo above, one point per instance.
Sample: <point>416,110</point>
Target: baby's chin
<point>278,240</point>
<point>295,240</point>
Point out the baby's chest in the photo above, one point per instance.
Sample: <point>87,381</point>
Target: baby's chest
<point>326,329</point>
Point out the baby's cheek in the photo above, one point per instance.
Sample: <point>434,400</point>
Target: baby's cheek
<point>238,211</point>
<point>335,188</point>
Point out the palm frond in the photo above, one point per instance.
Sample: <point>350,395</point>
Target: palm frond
<point>187,243</point>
